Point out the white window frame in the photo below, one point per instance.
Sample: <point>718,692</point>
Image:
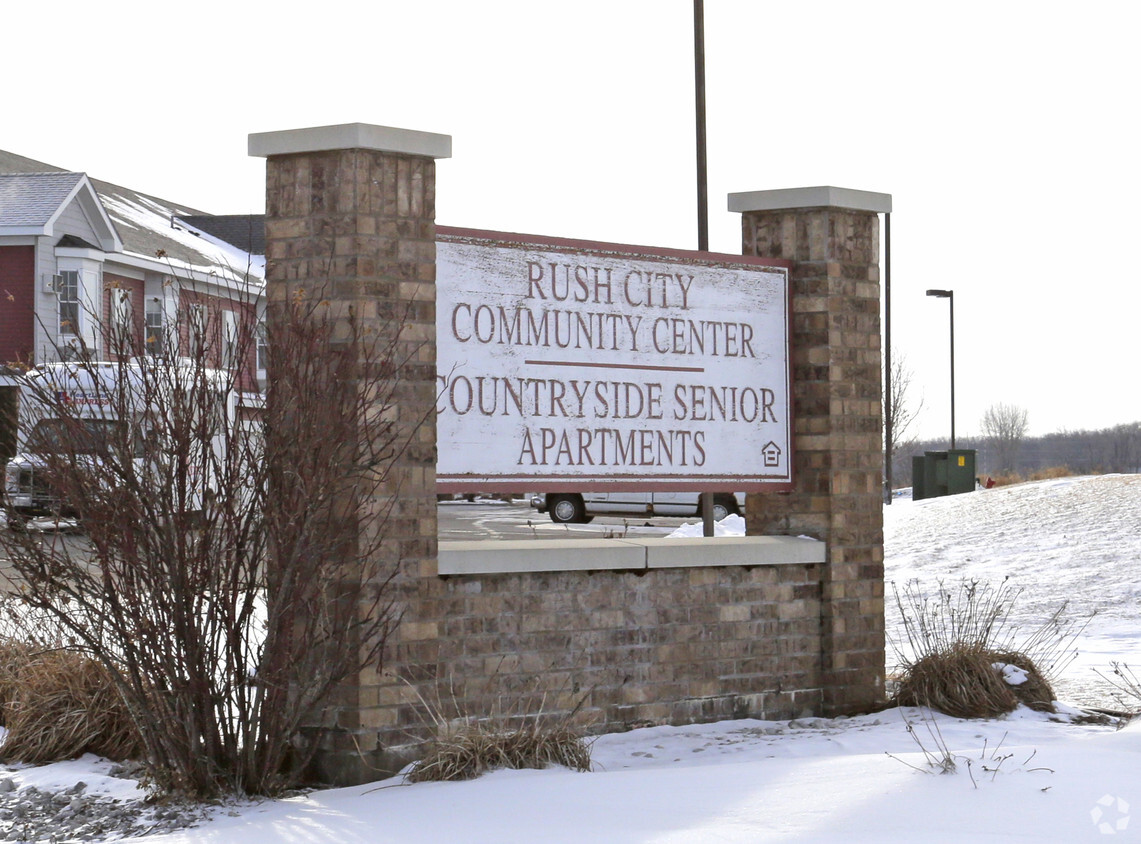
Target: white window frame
<point>81,335</point>
<point>230,340</point>
<point>197,324</point>
<point>261,361</point>
<point>68,292</point>
<point>122,318</point>
<point>155,327</point>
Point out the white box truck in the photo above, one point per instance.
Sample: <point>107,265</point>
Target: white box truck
<point>81,410</point>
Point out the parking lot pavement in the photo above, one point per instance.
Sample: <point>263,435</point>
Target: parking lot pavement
<point>488,519</point>
<point>66,534</point>
<point>474,520</point>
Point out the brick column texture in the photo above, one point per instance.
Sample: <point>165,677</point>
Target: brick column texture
<point>836,433</point>
<point>359,226</point>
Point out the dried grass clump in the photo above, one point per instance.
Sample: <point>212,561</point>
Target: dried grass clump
<point>1051,472</point>
<point>475,749</point>
<point>522,722</point>
<point>13,656</point>
<point>1036,692</point>
<point>965,683</point>
<point>954,638</point>
<point>1048,473</point>
<point>59,704</point>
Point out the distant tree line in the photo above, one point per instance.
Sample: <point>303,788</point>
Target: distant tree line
<point>1116,449</point>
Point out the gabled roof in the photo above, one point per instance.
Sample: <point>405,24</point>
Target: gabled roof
<point>12,163</point>
<point>31,204</point>
<point>149,231</point>
<point>33,199</point>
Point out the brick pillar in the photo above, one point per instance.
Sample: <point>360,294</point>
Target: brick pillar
<point>350,212</point>
<point>832,235</point>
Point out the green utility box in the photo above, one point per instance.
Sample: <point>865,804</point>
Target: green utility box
<point>939,473</point>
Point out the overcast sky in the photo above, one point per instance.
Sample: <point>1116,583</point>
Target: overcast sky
<point>1006,133</point>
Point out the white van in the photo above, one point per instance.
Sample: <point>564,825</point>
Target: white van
<point>584,506</point>
<point>99,414</point>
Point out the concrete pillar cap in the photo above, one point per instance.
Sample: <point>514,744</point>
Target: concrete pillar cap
<point>350,136</point>
<point>823,196</point>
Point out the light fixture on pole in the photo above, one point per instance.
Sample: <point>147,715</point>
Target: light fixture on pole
<point>949,295</point>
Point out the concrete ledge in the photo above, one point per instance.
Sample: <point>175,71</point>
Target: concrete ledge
<point>544,555</point>
<point>350,136</point>
<point>522,555</point>
<point>823,196</point>
<point>731,551</point>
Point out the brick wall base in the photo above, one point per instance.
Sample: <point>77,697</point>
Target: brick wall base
<point>610,650</point>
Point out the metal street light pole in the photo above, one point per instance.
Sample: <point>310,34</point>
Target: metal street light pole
<point>699,90</point>
<point>949,295</point>
<point>702,189</point>
<point>888,408</point>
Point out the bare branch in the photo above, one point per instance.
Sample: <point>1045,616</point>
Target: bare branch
<point>233,567</point>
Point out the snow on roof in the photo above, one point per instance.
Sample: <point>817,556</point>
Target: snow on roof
<point>149,230</point>
<point>143,222</point>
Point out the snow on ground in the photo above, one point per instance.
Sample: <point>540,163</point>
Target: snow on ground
<point>748,781</point>
<point>1024,777</point>
<point>731,525</point>
<point>1075,540</point>
<point>92,770</point>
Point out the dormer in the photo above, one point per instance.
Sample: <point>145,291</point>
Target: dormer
<point>54,205</point>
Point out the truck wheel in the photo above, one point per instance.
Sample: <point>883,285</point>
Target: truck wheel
<point>723,505</point>
<point>567,508</point>
<point>729,503</point>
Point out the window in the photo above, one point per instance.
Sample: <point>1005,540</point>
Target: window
<point>155,339</point>
<point>122,317</point>
<point>67,290</point>
<point>74,436</point>
<point>262,347</point>
<point>197,330</point>
<point>229,340</point>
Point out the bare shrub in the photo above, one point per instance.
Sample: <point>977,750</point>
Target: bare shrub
<point>1126,686</point>
<point>938,756</point>
<point>958,641</point>
<point>230,572</point>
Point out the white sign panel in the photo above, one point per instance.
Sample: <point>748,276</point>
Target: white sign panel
<point>563,366</point>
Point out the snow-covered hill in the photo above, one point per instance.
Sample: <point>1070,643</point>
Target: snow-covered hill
<point>1070,540</point>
